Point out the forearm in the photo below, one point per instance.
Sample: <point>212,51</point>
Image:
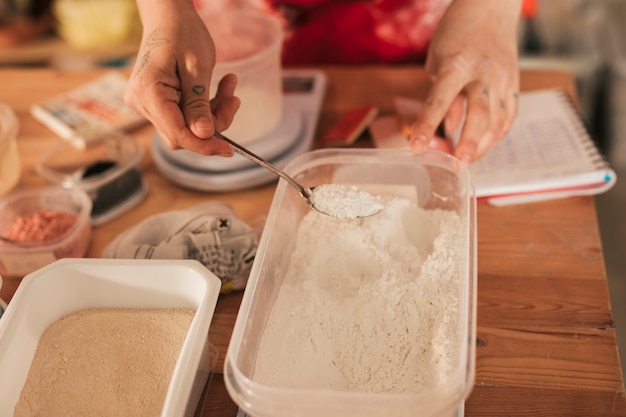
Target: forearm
<point>157,13</point>
<point>507,12</point>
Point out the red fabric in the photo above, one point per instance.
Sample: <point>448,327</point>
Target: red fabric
<point>530,8</point>
<point>357,32</point>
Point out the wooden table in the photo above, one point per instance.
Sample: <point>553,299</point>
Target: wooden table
<point>546,335</point>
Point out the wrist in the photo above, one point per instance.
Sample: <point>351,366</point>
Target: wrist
<point>161,11</point>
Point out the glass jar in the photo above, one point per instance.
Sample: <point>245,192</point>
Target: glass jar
<point>10,165</point>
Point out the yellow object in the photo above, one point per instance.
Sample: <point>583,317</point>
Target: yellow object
<point>97,24</point>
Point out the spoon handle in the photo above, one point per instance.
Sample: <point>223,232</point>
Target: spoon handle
<point>254,158</point>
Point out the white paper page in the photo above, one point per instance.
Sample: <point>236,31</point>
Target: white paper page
<point>545,149</point>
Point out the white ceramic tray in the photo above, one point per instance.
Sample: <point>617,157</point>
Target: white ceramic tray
<point>68,285</point>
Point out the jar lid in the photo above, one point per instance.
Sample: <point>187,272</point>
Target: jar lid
<point>9,125</point>
<point>108,169</point>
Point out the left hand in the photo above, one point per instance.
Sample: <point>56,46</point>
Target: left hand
<point>170,81</point>
<point>473,62</point>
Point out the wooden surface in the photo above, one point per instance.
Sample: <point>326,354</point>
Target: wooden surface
<point>546,336</point>
<point>53,51</point>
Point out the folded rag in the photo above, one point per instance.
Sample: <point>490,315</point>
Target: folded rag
<point>210,233</point>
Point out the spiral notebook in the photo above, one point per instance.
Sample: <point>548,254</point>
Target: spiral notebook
<point>547,154</point>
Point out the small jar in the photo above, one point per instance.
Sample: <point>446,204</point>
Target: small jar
<point>10,165</point>
<point>108,169</point>
<point>33,217</point>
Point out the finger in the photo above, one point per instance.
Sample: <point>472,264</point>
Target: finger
<point>196,106</point>
<point>511,96</point>
<point>157,98</point>
<point>485,144</point>
<point>221,112</point>
<point>211,146</point>
<point>175,131</point>
<point>502,116</point>
<point>161,105</point>
<point>441,145</point>
<point>497,119</point>
<point>164,111</point>
<point>455,114</point>
<point>440,97</point>
<point>476,122</point>
<point>511,112</point>
<point>224,105</point>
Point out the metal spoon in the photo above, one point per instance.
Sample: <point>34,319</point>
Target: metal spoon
<point>306,192</point>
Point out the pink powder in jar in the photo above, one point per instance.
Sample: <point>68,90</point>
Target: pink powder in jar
<point>41,226</point>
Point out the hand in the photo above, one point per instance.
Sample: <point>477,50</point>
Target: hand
<point>170,82</point>
<point>473,62</point>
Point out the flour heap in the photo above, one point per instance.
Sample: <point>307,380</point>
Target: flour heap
<point>368,305</point>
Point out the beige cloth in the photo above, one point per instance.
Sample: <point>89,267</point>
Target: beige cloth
<point>210,233</point>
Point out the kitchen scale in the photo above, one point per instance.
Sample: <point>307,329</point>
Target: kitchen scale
<point>303,92</point>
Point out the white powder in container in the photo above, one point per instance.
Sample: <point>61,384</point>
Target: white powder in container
<point>369,305</point>
<point>105,362</point>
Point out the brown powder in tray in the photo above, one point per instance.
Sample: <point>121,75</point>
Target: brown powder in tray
<point>105,362</point>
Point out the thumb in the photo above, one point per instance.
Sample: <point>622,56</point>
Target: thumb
<point>196,108</point>
<point>225,104</point>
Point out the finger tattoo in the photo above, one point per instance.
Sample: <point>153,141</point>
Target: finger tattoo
<point>485,92</point>
<point>502,104</point>
<point>198,89</point>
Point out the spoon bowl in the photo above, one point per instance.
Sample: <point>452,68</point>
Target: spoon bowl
<point>334,200</point>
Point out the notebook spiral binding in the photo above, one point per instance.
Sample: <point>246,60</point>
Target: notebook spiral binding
<point>598,158</point>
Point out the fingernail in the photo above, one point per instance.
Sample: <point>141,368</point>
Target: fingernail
<point>433,144</point>
<point>203,125</point>
<point>419,143</point>
<point>465,159</point>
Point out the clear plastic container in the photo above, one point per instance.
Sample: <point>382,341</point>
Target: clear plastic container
<point>10,165</point>
<point>108,169</point>
<point>431,182</point>
<point>248,43</point>
<point>69,285</point>
<point>17,260</point>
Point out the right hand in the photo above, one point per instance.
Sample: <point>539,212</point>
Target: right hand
<point>170,81</point>
<point>473,62</point>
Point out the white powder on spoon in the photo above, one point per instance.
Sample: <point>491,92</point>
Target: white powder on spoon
<point>344,201</point>
<point>369,305</point>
